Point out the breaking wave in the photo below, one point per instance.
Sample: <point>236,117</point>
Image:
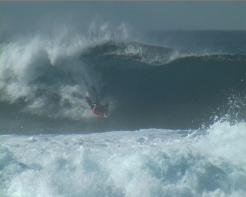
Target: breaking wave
<point>49,76</point>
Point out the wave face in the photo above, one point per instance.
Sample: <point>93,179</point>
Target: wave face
<point>141,163</point>
<point>44,81</point>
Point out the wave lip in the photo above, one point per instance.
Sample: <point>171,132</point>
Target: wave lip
<point>150,54</point>
<point>145,53</point>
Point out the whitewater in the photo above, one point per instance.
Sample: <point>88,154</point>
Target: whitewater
<point>146,162</point>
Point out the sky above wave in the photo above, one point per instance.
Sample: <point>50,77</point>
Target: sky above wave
<point>28,16</point>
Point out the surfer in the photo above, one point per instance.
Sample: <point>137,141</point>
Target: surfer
<point>96,107</point>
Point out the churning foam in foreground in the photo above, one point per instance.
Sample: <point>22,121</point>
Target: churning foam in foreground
<point>141,163</point>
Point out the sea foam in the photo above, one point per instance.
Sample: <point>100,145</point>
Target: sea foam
<point>127,163</point>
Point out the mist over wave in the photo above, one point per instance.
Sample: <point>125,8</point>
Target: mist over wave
<point>45,74</point>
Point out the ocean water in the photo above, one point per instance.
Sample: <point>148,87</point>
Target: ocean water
<point>176,122</point>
